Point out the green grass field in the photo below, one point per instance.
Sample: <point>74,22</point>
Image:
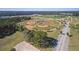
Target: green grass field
<point>74,40</point>
<point>53,34</point>
<point>9,42</point>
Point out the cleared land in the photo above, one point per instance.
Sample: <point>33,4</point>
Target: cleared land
<point>25,46</point>
<point>46,23</point>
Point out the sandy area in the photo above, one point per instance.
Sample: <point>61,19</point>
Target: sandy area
<point>24,46</point>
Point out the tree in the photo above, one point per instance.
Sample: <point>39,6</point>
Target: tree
<point>40,39</point>
<point>19,27</point>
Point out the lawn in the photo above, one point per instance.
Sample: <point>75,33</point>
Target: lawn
<point>9,42</point>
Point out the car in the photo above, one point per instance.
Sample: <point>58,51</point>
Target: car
<point>62,33</point>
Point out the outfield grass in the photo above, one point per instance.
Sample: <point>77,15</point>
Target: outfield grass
<point>9,42</point>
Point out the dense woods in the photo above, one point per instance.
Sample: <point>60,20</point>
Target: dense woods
<point>7,30</point>
<point>8,26</point>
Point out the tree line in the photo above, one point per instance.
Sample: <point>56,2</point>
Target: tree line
<point>8,26</point>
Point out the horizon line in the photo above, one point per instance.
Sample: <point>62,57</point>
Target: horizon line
<point>39,9</point>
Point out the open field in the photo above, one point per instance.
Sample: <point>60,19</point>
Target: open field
<point>48,16</point>
<point>74,39</point>
<point>9,42</point>
<point>53,34</point>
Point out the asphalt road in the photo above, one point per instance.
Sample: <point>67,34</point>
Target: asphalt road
<point>63,39</point>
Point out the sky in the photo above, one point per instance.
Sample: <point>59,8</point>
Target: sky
<point>39,9</point>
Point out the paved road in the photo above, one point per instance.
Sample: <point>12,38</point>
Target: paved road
<point>63,39</point>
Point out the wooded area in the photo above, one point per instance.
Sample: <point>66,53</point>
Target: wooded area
<point>8,26</point>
